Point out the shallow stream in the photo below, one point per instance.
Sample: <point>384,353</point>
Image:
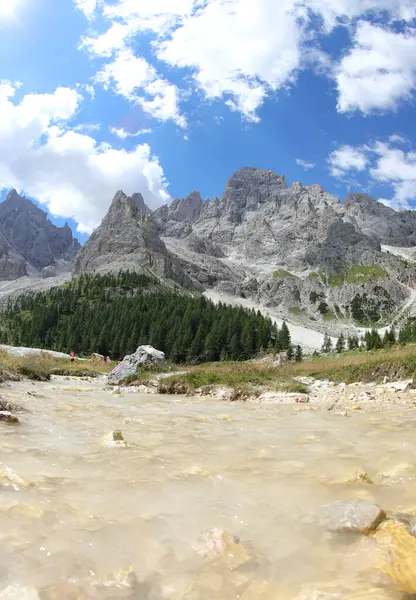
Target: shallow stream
<point>73,513</point>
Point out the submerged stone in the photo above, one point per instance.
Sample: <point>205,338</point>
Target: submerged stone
<point>115,439</point>
<point>12,479</point>
<point>359,476</point>
<point>218,543</point>
<point>351,516</point>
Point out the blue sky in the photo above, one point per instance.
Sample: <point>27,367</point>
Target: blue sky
<point>165,97</point>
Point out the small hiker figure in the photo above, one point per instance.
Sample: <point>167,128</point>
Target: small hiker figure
<point>72,355</point>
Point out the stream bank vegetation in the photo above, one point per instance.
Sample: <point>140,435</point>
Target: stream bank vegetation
<point>41,368</point>
<point>397,362</point>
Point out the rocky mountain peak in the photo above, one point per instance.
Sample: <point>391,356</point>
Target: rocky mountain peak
<point>128,239</point>
<point>361,202</point>
<point>250,178</point>
<point>30,242</point>
<point>15,203</point>
<point>187,209</point>
<point>141,205</point>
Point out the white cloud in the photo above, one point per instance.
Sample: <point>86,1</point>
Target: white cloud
<point>130,76</point>
<point>123,134</point>
<point>158,16</point>
<point>346,159</point>
<point>335,12</point>
<point>115,38</point>
<point>385,164</point>
<point>130,17</point>
<point>235,51</point>
<point>397,139</point>
<point>379,71</point>
<point>240,51</point>
<point>305,164</point>
<point>88,7</point>
<point>87,127</point>
<point>398,169</point>
<point>66,170</point>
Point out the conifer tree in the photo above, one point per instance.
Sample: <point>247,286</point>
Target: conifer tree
<point>290,353</point>
<point>298,354</point>
<point>284,337</point>
<point>340,345</point>
<point>326,344</point>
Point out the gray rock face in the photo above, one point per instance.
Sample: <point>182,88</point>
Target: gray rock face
<point>267,243</point>
<point>140,204</point>
<point>175,219</point>
<point>29,242</point>
<point>260,219</point>
<point>144,356</point>
<point>128,239</point>
<point>351,516</point>
<point>379,221</point>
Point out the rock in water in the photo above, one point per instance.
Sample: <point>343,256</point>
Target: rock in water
<point>8,417</point>
<point>351,516</point>
<point>144,355</point>
<point>218,543</point>
<point>396,557</point>
<point>115,439</point>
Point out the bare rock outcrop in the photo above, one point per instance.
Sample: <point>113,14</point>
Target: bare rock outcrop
<point>29,242</point>
<point>128,239</point>
<point>129,366</point>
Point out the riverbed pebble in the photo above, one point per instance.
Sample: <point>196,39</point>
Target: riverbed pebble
<point>355,516</point>
<point>8,417</point>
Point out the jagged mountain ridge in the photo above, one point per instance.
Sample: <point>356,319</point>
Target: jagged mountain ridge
<point>259,217</point>
<point>296,251</point>
<point>127,239</point>
<point>29,242</point>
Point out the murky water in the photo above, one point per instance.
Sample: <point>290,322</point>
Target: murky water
<point>73,512</point>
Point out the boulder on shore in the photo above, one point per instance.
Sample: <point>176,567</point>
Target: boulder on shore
<point>144,356</point>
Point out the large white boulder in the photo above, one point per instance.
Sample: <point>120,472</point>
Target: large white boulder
<point>144,356</point>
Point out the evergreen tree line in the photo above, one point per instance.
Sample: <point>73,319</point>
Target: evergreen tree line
<point>372,340</point>
<point>115,313</point>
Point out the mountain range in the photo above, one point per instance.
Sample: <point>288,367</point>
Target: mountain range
<point>294,252</point>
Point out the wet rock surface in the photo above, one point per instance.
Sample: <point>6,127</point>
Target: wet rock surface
<point>115,439</point>
<point>395,556</point>
<point>351,516</point>
<point>8,417</point>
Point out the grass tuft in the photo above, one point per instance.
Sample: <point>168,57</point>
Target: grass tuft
<point>244,376</point>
